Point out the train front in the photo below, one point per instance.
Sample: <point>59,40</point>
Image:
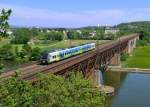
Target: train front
<point>44,58</point>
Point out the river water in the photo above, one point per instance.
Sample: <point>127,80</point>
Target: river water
<point>131,89</point>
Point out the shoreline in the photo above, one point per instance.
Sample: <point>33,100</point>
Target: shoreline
<point>129,70</point>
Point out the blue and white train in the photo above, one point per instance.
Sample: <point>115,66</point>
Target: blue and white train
<point>58,55</point>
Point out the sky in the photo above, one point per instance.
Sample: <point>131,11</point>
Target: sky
<point>75,13</point>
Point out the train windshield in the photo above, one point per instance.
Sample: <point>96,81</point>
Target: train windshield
<point>44,56</point>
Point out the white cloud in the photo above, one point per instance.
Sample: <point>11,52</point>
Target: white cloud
<point>44,17</point>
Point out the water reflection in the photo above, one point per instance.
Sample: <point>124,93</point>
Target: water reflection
<point>131,89</point>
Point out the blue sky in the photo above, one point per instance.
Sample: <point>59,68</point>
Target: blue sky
<point>76,13</point>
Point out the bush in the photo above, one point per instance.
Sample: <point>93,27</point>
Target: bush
<point>35,54</point>
<point>50,91</point>
<point>6,52</point>
<point>21,36</point>
<point>25,51</point>
<point>124,56</point>
<point>55,36</point>
<point>142,43</point>
<point>1,66</point>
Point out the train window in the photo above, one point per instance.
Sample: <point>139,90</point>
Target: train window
<point>45,56</point>
<point>54,56</point>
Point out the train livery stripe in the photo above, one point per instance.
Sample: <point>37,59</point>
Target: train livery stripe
<point>66,53</point>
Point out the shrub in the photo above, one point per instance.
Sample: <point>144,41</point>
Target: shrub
<point>21,36</point>
<point>6,52</point>
<point>1,66</point>
<point>142,43</point>
<point>50,91</point>
<point>35,54</point>
<point>124,56</point>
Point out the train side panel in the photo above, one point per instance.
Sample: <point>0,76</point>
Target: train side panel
<point>63,54</point>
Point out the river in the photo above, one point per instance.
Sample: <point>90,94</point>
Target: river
<point>131,89</point>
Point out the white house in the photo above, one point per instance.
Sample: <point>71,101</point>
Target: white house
<point>111,30</point>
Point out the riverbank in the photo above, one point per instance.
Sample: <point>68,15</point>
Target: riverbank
<point>139,59</point>
<point>131,70</point>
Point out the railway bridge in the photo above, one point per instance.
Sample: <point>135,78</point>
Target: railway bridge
<point>99,58</point>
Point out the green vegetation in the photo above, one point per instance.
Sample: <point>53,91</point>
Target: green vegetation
<point>140,58</point>
<point>8,52</point>
<point>50,91</point>
<point>124,56</point>
<point>22,36</point>
<point>4,42</point>
<point>142,27</point>
<point>66,44</point>
<point>4,16</point>
<point>23,50</point>
<point>1,67</point>
<point>19,54</point>
<point>54,36</point>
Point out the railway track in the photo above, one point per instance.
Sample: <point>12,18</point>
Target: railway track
<point>29,72</point>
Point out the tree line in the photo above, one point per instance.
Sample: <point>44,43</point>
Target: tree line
<point>24,35</point>
<point>141,27</point>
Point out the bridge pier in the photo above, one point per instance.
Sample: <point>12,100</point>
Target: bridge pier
<point>115,60</point>
<point>95,77</point>
<point>131,45</point>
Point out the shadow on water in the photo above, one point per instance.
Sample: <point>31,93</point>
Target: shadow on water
<point>114,79</point>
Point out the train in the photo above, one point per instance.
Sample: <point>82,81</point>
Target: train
<point>57,55</point>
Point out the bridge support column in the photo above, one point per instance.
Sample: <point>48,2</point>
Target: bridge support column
<point>95,77</point>
<point>115,61</point>
<point>134,45</point>
<point>131,45</point>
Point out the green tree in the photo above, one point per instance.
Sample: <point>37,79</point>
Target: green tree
<point>50,91</point>
<point>86,33</point>
<point>35,54</point>
<point>4,16</point>
<point>22,36</point>
<point>99,33</point>
<point>7,53</point>
<point>25,53</point>
<point>55,36</point>
<point>73,35</point>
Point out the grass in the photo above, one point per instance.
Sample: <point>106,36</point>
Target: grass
<point>62,44</point>
<point>4,42</point>
<point>51,45</point>
<point>140,58</point>
<point>65,44</point>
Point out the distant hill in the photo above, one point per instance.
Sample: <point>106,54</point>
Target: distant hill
<point>142,27</point>
<point>135,24</point>
<point>129,25</point>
